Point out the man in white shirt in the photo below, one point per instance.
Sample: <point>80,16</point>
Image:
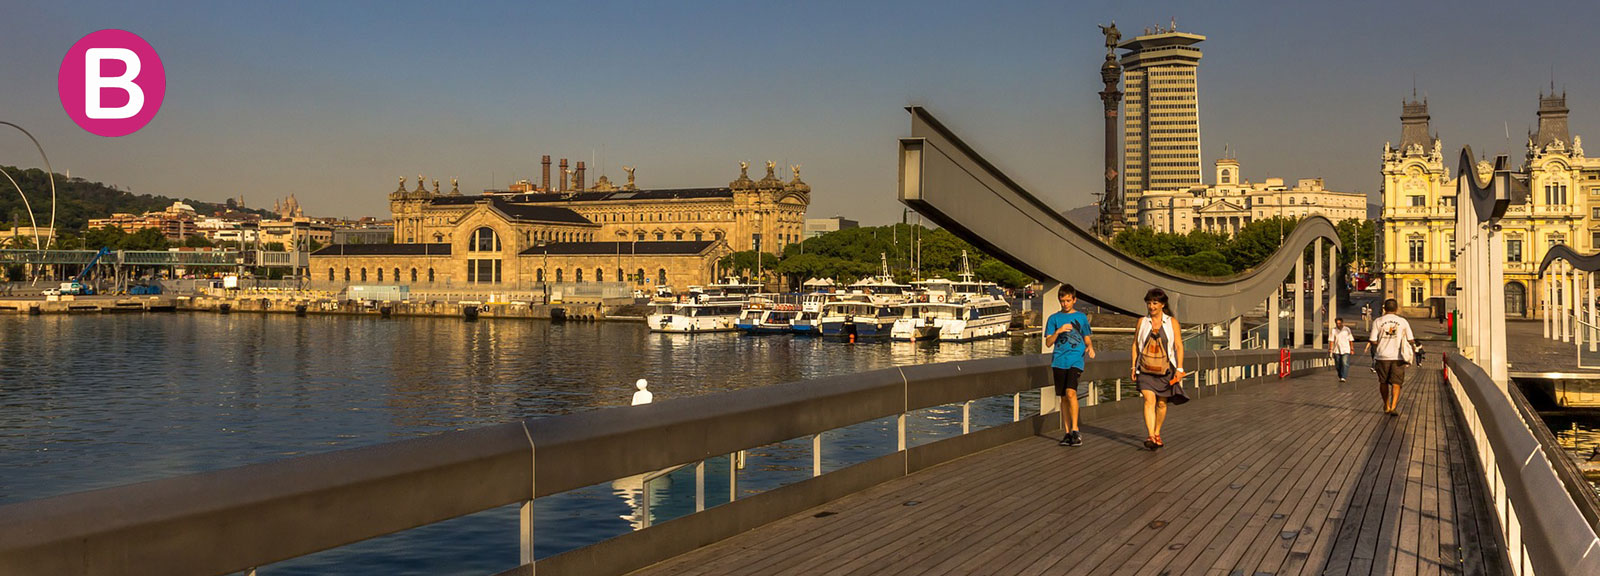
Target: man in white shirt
<point>1392,338</point>
<point>1340,342</point>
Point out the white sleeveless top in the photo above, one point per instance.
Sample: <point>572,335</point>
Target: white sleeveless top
<point>1166,334</point>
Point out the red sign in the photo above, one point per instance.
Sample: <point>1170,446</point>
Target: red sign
<point>1283,362</point>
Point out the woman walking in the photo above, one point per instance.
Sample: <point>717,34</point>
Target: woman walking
<point>1157,362</point>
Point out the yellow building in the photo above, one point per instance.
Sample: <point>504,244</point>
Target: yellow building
<point>1555,200</point>
<point>572,234</point>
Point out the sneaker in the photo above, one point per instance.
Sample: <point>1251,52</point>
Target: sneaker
<point>1066,440</point>
<point>1075,439</point>
<point>1341,379</point>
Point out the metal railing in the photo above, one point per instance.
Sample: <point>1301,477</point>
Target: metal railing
<point>1543,530</point>
<point>247,517</point>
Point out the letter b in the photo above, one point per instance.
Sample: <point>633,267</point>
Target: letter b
<point>93,83</point>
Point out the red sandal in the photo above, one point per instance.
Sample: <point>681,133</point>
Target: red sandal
<point>1157,440</point>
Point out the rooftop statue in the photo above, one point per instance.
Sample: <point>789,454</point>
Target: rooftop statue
<point>796,169</point>
<point>1113,36</point>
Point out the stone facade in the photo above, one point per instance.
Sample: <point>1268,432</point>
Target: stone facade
<point>1556,200</point>
<point>768,212</point>
<point>1234,202</point>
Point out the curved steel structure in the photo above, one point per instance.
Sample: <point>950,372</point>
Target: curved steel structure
<point>1584,263</point>
<point>943,178</point>
<point>51,173</point>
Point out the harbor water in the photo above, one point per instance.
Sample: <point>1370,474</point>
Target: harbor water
<point>89,402</point>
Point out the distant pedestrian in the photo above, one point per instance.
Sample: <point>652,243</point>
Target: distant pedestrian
<point>1068,331</point>
<point>1366,316</point>
<point>1157,362</point>
<point>1392,343</point>
<point>1340,343</point>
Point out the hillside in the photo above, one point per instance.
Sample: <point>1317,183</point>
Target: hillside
<point>81,200</point>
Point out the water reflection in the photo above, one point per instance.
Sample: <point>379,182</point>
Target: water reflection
<point>96,401</point>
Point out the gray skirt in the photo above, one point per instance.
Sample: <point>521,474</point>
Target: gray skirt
<point>1161,385</point>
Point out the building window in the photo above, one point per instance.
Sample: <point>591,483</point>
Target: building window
<point>483,271</point>
<point>638,277</point>
<point>484,240</point>
<point>346,274</point>
<point>1513,250</point>
<point>619,275</point>
<point>697,235</point>
<point>677,235</point>
<point>1418,250</point>
<point>661,277</point>
<point>1594,239</point>
<point>1595,212</point>
<point>396,274</point>
<point>1415,294</point>
<point>577,275</point>
<point>599,275</point>
<point>330,274</point>
<point>538,275</point>
<point>430,275</point>
<point>380,274</point>
<point>363,274</point>
<point>1555,194</point>
<point>1419,201</point>
<point>413,275</point>
<point>660,236</point>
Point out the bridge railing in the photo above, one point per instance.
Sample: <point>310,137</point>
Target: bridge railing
<point>1543,530</point>
<point>247,517</point>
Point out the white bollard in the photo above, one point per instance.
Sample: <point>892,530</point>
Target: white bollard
<point>643,396</point>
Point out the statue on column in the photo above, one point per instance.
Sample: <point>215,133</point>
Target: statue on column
<point>1113,36</point>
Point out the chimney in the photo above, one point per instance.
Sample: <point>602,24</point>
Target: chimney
<point>544,184</point>
<point>563,174</point>
<point>579,184</point>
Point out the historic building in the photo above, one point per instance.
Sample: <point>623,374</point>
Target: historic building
<point>1234,201</point>
<point>1161,122</point>
<point>768,213</point>
<point>1555,200</point>
<point>572,233</point>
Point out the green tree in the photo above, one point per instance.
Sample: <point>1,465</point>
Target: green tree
<point>146,239</point>
<point>197,241</point>
<point>105,237</point>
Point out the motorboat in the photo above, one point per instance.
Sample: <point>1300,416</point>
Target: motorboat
<point>979,318</point>
<point>807,321</point>
<point>701,313</point>
<point>923,319</point>
<point>837,317</point>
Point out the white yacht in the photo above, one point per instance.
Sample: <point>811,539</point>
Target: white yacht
<point>701,313</point>
<point>923,319</point>
<point>838,317</point>
<point>808,320</point>
<point>984,317</point>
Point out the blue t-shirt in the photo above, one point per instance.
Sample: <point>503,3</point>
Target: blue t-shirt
<point>1069,346</point>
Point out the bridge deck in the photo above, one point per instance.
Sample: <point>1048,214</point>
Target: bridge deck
<point>1305,476</point>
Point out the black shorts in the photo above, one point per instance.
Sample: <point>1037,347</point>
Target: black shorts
<point>1066,378</point>
<point>1390,372</point>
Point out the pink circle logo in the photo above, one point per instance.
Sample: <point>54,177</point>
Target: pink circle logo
<point>111,83</point>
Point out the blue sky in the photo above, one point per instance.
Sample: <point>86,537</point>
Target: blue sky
<point>334,101</point>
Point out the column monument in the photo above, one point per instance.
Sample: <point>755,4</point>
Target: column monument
<point>1112,219</point>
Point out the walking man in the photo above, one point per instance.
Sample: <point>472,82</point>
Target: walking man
<point>1366,316</point>
<point>1068,331</point>
<point>1394,344</point>
<point>1340,344</point>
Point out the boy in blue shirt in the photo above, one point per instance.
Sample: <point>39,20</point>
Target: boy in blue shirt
<point>1068,331</point>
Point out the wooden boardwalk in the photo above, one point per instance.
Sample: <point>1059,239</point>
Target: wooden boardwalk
<point>1304,476</point>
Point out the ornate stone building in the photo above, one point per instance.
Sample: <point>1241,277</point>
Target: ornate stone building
<point>1233,202</point>
<point>768,212</point>
<point>571,234</point>
<point>1555,200</point>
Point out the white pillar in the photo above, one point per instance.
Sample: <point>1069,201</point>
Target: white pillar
<point>1567,283</point>
<point>1300,301</point>
<point>1334,282</point>
<point>1549,294</point>
<point>1316,294</point>
<point>1589,304</point>
<point>1052,304</point>
<point>1235,342</point>
<point>1274,338</point>
<point>1494,286</point>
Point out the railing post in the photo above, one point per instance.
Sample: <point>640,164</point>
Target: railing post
<point>900,426</point>
<point>816,455</point>
<point>1094,392</point>
<point>1589,304</point>
<point>1549,295</point>
<point>1274,339</point>
<point>700,486</point>
<point>733,477</point>
<point>1016,407</point>
<point>1119,389</point>
<point>966,417</point>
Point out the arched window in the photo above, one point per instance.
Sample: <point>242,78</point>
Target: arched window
<point>716,235</point>
<point>619,275</point>
<point>397,274</point>
<point>661,277</point>
<point>640,235</point>
<point>413,275</point>
<point>599,275</point>
<point>430,275</point>
<point>484,240</point>
<point>363,274</point>
<point>639,276</point>
<point>558,274</point>
<point>538,275</point>
<point>330,274</point>
<point>577,275</point>
<point>346,274</point>
<point>380,274</point>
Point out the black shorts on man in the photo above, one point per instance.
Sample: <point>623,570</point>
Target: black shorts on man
<point>1067,378</point>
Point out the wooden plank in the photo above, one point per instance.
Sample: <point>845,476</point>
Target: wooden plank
<point>1309,552</point>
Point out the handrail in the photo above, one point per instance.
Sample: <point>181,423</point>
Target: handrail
<point>1553,535</point>
<point>236,519</point>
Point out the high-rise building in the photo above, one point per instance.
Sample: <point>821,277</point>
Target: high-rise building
<point>1161,114</point>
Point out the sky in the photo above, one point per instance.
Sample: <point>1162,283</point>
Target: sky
<point>334,101</point>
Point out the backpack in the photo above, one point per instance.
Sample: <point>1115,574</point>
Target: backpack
<point>1153,353</point>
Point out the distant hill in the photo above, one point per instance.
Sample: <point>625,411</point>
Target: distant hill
<point>79,200</point>
<point>1084,217</point>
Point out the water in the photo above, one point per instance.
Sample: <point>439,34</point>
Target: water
<point>98,401</point>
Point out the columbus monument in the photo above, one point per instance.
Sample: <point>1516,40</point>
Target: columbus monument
<point>1112,219</point>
